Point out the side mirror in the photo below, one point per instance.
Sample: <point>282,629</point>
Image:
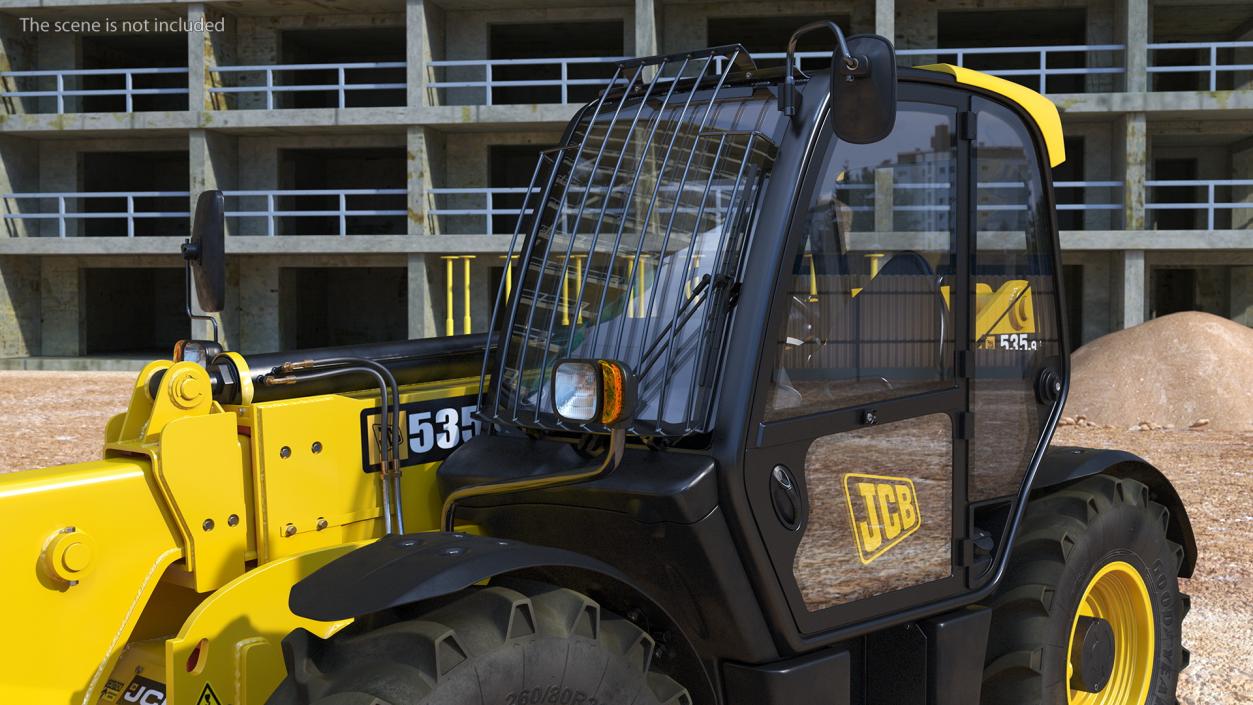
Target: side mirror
<point>205,252</point>
<point>863,84</point>
<point>863,90</point>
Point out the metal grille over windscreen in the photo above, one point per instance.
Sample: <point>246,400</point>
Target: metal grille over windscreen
<point>632,239</point>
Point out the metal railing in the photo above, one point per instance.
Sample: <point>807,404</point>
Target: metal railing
<point>64,215</point>
<point>138,206</point>
<point>271,211</point>
<point>1212,65</point>
<point>1038,56</point>
<point>1210,206</point>
<point>61,91</point>
<point>488,67</point>
<point>341,87</point>
<point>487,196</point>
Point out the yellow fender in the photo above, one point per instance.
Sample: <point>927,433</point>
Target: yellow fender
<point>231,644</point>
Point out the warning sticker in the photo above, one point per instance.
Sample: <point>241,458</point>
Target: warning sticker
<point>208,697</point>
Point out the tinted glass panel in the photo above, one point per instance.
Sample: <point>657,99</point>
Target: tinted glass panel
<point>869,315</point>
<point>1016,321</point>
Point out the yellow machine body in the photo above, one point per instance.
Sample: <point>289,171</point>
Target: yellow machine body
<point>160,573</point>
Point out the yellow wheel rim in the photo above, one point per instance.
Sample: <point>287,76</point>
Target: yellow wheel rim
<point>1118,595</point>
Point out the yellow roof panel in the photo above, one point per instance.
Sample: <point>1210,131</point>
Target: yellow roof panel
<point>1041,109</point>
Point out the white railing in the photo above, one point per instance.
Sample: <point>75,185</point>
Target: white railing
<point>63,215</point>
<point>486,67</point>
<point>1212,65</point>
<point>1210,205</point>
<point>270,212</point>
<point>1083,188</point>
<point>486,196</point>
<point>341,87</point>
<point>1038,55</point>
<point>61,91</point>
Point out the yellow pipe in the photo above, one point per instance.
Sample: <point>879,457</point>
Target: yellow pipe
<point>640,276</point>
<point>578,276</point>
<point>813,277</point>
<point>565,297</point>
<point>630,308</point>
<point>450,325</point>
<point>466,323</point>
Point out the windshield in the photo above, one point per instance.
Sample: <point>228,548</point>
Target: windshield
<point>632,244</point>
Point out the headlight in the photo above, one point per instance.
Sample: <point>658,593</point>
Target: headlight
<point>593,391</point>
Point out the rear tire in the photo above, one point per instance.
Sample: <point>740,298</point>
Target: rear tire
<point>1072,540</point>
<point>527,644</point>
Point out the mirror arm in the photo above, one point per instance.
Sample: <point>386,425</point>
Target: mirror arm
<point>789,98</point>
<point>190,314</point>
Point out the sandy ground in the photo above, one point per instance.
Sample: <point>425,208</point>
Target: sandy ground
<point>57,417</point>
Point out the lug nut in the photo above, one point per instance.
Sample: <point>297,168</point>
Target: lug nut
<point>317,447</point>
<point>232,520</point>
<point>322,523</point>
<point>207,525</point>
<point>289,530</point>
<point>284,452</point>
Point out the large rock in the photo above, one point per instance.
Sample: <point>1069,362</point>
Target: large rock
<point>1176,369</point>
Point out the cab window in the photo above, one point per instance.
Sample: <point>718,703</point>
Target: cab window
<point>868,302</point>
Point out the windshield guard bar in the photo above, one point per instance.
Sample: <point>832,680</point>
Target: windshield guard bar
<point>643,179</point>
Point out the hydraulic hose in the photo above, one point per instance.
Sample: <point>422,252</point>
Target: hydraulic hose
<point>394,473</point>
<point>298,372</point>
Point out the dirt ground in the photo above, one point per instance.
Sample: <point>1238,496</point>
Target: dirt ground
<point>48,418</point>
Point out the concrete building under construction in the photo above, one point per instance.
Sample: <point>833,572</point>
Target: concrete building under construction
<point>374,153</point>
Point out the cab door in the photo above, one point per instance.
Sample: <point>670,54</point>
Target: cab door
<point>856,463</point>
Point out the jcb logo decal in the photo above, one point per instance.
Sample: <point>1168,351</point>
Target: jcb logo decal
<point>883,510</point>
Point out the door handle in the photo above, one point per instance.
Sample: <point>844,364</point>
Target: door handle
<point>785,498</point>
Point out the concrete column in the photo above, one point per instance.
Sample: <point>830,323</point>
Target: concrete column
<point>19,173</point>
<point>1241,304</point>
<point>425,156</point>
<point>884,205</point>
<point>1242,168</point>
<point>1135,156</point>
<point>1134,284</point>
<point>58,51</point>
<point>421,310</point>
<point>197,60</point>
<point>258,304</point>
<point>1135,35</point>
<point>207,49</point>
<point>60,307</point>
<point>885,19</point>
<point>417,53</point>
<point>647,42</point>
<point>1243,80</point>
<point>1096,297</point>
<point>19,306</point>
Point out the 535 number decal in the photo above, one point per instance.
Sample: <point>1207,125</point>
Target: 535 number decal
<point>433,430</point>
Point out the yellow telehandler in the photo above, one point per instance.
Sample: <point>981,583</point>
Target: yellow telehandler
<point>762,417</point>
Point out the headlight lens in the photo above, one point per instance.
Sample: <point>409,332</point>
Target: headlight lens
<point>593,391</point>
<point>576,390</point>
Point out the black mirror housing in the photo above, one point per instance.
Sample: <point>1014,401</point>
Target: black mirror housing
<point>863,90</point>
<point>205,252</point>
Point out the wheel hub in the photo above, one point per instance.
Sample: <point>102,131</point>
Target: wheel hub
<point>1092,651</point>
<point>1112,640</point>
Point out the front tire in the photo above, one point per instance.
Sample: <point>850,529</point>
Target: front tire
<point>527,644</point>
<point>1094,549</point>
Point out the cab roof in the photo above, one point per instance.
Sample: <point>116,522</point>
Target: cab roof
<point>1041,109</point>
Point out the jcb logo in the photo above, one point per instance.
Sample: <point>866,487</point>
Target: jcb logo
<point>884,511</point>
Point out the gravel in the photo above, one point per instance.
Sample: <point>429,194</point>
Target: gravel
<point>59,417</point>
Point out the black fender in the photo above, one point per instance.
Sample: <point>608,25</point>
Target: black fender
<point>412,568</point>
<point>1065,464</point>
<point>404,569</point>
